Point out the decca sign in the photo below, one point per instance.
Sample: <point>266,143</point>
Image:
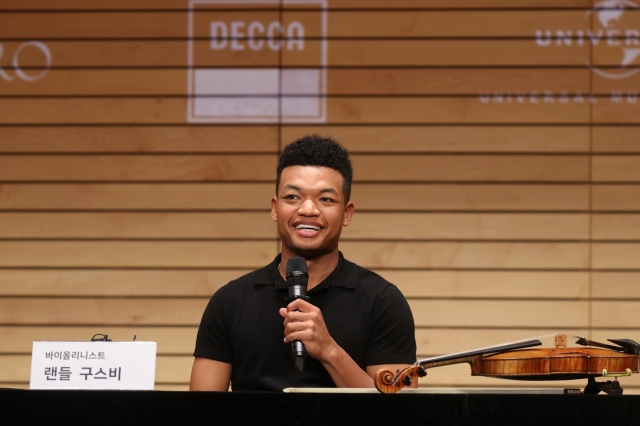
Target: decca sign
<point>257,35</point>
<point>257,61</point>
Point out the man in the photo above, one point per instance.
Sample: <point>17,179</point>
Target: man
<point>354,323</point>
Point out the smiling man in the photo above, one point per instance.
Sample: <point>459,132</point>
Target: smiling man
<point>354,323</point>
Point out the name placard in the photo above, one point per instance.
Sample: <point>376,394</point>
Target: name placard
<point>93,365</point>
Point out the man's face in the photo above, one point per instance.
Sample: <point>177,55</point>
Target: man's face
<point>310,210</point>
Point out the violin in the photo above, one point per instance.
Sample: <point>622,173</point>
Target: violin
<point>512,361</point>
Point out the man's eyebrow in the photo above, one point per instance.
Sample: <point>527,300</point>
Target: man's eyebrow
<point>322,191</point>
<point>331,190</point>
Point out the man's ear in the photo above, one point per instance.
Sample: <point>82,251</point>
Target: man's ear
<point>274,211</point>
<point>348,213</point>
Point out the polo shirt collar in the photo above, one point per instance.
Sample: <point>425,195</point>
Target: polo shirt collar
<point>344,275</point>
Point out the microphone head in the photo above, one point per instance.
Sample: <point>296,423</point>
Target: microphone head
<point>297,272</point>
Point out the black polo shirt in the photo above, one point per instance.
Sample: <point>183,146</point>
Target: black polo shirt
<point>366,315</point>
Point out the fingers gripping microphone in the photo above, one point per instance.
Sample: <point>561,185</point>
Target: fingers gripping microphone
<point>297,280</point>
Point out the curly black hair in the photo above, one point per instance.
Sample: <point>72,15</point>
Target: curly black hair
<point>315,150</point>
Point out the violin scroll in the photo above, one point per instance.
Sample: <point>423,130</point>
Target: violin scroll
<point>387,383</point>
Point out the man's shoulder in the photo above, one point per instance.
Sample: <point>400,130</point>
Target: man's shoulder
<point>373,279</point>
<point>258,276</point>
<point>369,279</point>
<point>263,275</point>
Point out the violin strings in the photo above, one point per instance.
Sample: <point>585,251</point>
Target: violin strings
<point>550,335</point>
<point>419,362</point>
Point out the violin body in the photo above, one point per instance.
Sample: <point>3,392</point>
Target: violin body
<point>554,364</point>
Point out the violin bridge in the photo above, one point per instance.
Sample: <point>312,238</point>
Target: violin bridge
<point>561,340</point>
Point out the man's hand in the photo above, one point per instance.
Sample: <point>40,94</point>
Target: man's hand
<point>308,326</point>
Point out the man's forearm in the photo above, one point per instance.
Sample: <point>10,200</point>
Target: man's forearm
<point>344,371</point>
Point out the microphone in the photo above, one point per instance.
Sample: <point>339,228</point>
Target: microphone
<point>297,280</point>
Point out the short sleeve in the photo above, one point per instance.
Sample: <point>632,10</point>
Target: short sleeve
<point>213,341</point>
<point>393,338</point>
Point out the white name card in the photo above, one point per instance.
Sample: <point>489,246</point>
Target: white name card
<point>93,365</point>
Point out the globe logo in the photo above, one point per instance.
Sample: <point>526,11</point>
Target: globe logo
<point>612,20</point>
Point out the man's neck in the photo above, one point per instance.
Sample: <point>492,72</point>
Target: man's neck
<point>319,267</point>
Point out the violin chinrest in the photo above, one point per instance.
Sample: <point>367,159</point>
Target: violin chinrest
<point>630,347</point>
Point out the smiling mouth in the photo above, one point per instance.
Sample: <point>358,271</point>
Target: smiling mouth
<point>308,227</point>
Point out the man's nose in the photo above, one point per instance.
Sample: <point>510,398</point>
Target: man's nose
<point>308,208</point>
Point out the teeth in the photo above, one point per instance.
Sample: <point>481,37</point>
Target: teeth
<point>313,228</point>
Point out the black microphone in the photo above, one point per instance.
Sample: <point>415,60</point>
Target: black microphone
<point>297,280</point>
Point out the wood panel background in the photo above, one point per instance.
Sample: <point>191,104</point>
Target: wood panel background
<point>497,179</point>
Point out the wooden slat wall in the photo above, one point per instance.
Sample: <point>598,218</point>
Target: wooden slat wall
<point>497,183</point>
